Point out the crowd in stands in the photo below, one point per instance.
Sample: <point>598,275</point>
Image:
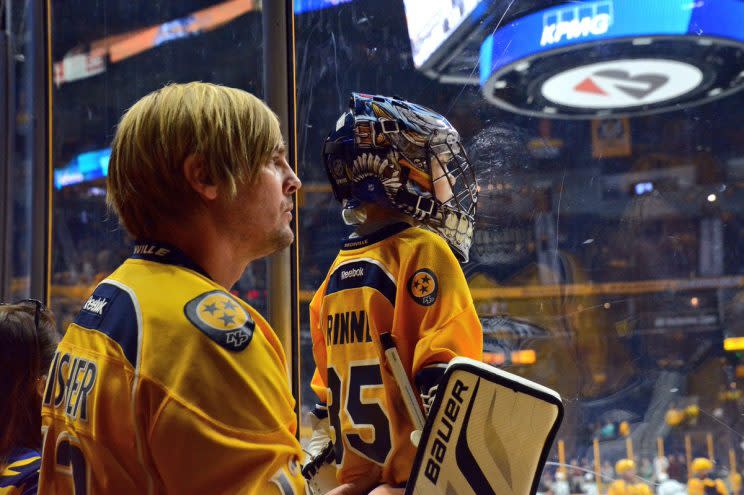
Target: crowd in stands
<point>664,475</point>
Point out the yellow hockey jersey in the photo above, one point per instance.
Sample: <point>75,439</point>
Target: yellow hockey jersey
<point>622,487</point>
<point>406,281</point>
<point>707,486</point>
<point>166,383</point>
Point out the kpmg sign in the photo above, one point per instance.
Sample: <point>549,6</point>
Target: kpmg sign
<point>575,22</point>
<point>615,58</point>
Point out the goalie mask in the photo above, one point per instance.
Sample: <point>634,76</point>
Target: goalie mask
<point>400,154</point>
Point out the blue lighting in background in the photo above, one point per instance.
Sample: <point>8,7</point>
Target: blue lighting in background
<point>486,57</point>
<point>642,188</point>
<point>301,6</point>
<point>84,167</point>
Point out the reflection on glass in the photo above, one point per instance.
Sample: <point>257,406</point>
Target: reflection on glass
<point>22,149</point>
<point>606,262</point>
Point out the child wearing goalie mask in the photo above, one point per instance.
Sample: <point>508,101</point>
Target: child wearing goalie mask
<point>404,180</point>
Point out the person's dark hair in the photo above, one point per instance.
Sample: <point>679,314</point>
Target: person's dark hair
<point>25,353</point>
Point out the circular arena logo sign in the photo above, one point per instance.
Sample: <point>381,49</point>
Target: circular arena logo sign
<point>611,58</point>
<point>622,83</point>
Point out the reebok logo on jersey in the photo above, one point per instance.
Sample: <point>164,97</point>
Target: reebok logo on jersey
<point>95,305</point>
<point>354,272</point>
<point>423,287</point>
<point>222,319</point>
<point>362,273</point>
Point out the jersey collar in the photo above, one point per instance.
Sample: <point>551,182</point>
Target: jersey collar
<point>161,252</point>
<point>376,236</point>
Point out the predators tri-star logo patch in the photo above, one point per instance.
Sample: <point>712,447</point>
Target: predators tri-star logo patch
<point>221,318</point>
<point>423,287</point>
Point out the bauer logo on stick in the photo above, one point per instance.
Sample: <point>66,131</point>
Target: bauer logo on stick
<point>488,433</point>
<point>423,287</point>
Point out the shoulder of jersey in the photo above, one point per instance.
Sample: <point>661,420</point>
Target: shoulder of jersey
<point>222,318</point>
<point>115,309</point>
<point>429,245</point>
<point>418,235</point>
<point>434,255</point>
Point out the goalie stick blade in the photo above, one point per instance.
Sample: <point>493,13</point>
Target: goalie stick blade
<point>489,433</point>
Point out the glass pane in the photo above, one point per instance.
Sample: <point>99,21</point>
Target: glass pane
<point>22,148</point>
<point>107,56</point>
<point>606,257</point>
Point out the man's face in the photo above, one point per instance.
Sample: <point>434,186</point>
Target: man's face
<point>259,218</point>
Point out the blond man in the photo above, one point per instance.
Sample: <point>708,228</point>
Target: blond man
<point>165,382</point>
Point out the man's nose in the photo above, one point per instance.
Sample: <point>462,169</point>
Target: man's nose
<point>292,183</point>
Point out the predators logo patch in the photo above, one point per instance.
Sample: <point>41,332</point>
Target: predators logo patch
<point>423,287</point>
<point>222,319</point>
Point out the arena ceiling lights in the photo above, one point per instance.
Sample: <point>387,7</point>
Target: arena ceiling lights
<point>610,58</point>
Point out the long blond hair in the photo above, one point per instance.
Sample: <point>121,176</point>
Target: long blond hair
<point>230,130</point>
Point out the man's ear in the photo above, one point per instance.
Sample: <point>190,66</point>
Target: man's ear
<point>195,172</point>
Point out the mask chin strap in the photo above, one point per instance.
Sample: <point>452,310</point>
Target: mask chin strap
<point>421,208</point>
<point>434,216</point>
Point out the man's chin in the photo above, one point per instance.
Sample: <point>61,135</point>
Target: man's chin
<point>282,240</point>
